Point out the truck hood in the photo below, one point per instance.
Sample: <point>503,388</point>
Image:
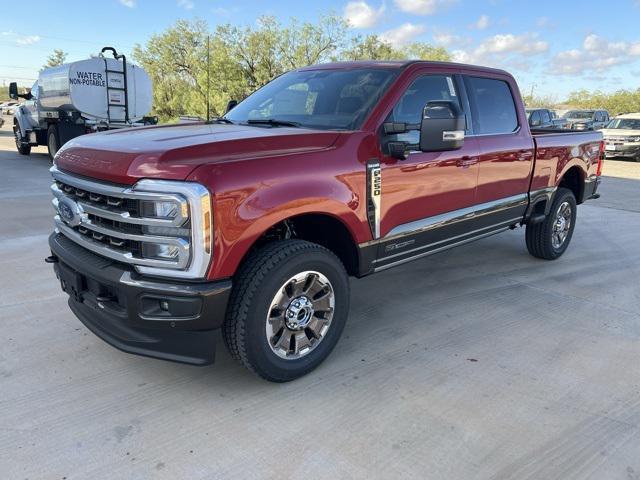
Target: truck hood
<point>619,132</point>
<point>173,151</point>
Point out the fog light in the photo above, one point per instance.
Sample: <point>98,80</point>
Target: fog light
<point>164,305</point>
<point>160,251</point>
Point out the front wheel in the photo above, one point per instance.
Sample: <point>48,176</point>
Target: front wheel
<point>23,148</point>
<point>53,143</point>
<point>287,310</point>
<point>550,238</point>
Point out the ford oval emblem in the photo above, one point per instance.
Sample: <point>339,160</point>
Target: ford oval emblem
<point>69,212</point>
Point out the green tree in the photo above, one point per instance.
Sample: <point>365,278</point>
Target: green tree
<point>621,101</point>
<point>58,57</point>
<point>371,47</point>
<point>176,62</point>
<point>424,51</point>
<point>242,59</point>
<point>539,101</point>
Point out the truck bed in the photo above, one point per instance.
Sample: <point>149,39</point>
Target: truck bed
<point>559,150</point>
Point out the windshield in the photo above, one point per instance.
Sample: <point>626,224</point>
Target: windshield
<point>625,123</point>
<point>582,114</point>
<point>322,99</point>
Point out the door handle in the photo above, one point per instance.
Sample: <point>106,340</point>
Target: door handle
<point>466,161</point>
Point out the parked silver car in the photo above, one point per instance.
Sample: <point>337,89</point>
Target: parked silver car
<point>622,137</point>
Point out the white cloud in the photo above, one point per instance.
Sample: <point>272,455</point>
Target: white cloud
<point>448,39</point>
<point>128,3</point>
<point>186,4</point>
<point>504,51</point>
<point>596,55</point>
<point>360,14</point>
<point>497,48</point>
<point>423,7</point>
<point>28,40</point>
<point>483,22</point>
<point>405,33</point>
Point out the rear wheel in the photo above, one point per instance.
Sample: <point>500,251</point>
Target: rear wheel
<point>53,142</point>
<point>23,148</point>
<point>550,238</point>
<point>288,308</point>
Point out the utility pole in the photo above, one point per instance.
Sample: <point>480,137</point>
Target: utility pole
<point>208,73</point>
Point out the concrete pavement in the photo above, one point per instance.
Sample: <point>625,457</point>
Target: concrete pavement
<point>481,362</point>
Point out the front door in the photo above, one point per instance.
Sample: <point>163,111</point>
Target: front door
<point>425,198</point>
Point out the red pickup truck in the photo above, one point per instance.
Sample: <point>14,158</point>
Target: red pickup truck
<point>252,223</point>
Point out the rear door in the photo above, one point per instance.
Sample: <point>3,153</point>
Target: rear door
<point>505,146</point>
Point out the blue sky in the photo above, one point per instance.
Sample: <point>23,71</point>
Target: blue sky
<point>553,47</point>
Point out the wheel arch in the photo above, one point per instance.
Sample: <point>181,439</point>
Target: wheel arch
<point>573,179</point>
<point>323,228</point>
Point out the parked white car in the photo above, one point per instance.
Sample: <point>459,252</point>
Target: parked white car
<point>4,106</point>
<point>622,137</point>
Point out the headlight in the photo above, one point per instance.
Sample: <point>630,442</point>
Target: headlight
<point>163,209</point>
<point>186,207</point>
<point>634,139</point>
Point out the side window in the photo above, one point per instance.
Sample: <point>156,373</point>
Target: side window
<point>409,107</point>
<point>534,120</point>
<point>545,116</point>
<point>492,106</point>
<point>35,91</point>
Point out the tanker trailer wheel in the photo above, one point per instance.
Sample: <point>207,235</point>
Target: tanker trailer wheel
<point>53,140</point>
<point>23,148</point>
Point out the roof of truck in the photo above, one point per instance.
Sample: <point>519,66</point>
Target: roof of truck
<point>393,64</point>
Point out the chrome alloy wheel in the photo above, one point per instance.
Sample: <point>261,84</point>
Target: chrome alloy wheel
<point>300,315</point>
<point>562,225</point>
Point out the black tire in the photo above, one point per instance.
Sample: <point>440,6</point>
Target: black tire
<point>539,236</point>
<point>258,280</point>
<point>53,141</point>
<point>23,148</point>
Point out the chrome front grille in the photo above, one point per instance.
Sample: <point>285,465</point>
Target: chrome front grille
<point>115,222</point>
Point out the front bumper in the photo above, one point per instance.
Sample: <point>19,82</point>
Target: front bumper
<point>623,150</point>
<point>173,321</point>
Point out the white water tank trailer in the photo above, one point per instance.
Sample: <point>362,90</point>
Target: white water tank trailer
<point>99,93</point>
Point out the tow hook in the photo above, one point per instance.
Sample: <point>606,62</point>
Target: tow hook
<point>51,259</point>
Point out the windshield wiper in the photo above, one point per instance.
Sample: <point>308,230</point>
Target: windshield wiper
<point>273,122</point>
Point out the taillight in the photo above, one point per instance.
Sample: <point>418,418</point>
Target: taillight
<point>600,159</point>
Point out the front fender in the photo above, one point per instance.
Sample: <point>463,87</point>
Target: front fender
<point>238,225</point>
<point>250,197</point>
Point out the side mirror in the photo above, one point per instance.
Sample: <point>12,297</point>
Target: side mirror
<point>230,105</point>
<point>442,127</point>
<point>13,90</point>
